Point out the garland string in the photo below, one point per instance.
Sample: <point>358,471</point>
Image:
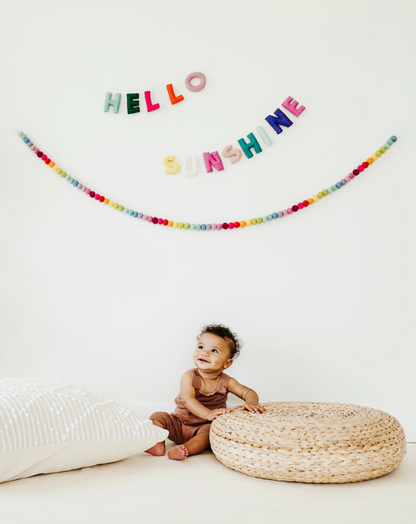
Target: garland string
<point>205,227</point>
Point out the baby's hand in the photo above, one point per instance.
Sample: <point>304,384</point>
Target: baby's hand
<point>254,408</point>
<point>214,413</point>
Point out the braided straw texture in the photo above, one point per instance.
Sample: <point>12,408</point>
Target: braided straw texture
<point>315,442</point>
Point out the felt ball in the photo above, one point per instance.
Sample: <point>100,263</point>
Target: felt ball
<point>305,203</point>
<point>274,215</point>
<point>370,160</point>
<point>248,222</point>
<point>51,164</point>
<point>145,217</point>
<point>88,191</point>
<point>269,217</point>
<point>165,222</point>
<point>360,169</point>
<point>394,138</point>
<point>160,221</point>
<point>243,224</point>
<point>203,227</point>
<point>295,208</point>
<point>170,223</point>
<point>134,214</point>
<point>343,182</point>
<point>26,140</point>
<point>39,154</point>
<point>289,211</point>
<point>29,143</point>
<point>383,149</point>
<point>231,225</point>
<point>139,215</point>
<point>125,210</point>
<point>389,141</point>
<point>192,226</point>
<point>237,224</point>
<point>47,160</point>
<point>365,164</point>
<point>97,196</point>
<point>111,203</point>
<point>150,219</point>
<point>386,145</point>
<point>311,201</point>
<point>79,186</point>
<point>187,226</point>
<point>198,227</point>
<point>175,224</point>
<point>320,194</point>
<point>280,214</point>
<point>351,175</point>
<point>300,205</point>
<point>315,198</point>
<point>208,226</point>
<point>339,185</point>
<point>325,192</point>
<point>70,179</point>
<point>75,183</point>
<point>131,212</point>
<point>378,152</point>
<point>154,220</point>
<point>219,226</point>
<point>92,194</point>
<point>43,157</point>
<point>225,225</point>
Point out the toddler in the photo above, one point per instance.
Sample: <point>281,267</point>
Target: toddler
<point>203,394</point>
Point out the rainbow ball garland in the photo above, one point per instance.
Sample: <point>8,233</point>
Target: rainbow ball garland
<point>207,227</point>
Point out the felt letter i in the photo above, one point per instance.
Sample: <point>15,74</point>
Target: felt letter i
<point>150,106</point>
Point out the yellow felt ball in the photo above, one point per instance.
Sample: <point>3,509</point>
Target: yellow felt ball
<point>111,203</point>
<point>315,198</point>
<point>374,157</point>
<point>248,222</point>
<point>175,224</point>
<point>55,168</point>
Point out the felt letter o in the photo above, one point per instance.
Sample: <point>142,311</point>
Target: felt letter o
<point>173,166</point>
<point>201,84</point>
<point>234,154</point>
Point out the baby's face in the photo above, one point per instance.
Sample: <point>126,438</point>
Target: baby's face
<point>212,353</point>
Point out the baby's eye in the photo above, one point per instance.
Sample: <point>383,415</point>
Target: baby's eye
<point>215,350</point>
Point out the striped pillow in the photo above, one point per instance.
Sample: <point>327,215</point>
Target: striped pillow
<point>48,426</point>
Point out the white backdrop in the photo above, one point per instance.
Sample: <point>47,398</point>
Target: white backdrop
<point>323,299</point>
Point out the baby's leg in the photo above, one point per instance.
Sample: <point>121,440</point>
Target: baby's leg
<point>159,448</point>
<point>195,445</point>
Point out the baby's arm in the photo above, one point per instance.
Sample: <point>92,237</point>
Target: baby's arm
<point>249,396</point>
<point>192,404</point>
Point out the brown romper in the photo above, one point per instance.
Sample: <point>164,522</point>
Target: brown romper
<point>183,425</point>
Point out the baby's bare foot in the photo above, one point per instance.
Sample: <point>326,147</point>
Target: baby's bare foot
<point>158,449</point>
<point>178,453</point>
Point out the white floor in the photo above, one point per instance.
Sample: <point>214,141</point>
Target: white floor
<point>200,490</point>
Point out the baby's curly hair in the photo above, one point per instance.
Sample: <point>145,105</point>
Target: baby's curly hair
<point>222,331</point>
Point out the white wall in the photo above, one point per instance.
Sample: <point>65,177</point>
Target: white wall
<point>323,299</point>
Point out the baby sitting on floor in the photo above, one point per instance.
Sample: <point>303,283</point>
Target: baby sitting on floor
<point>203,394</point>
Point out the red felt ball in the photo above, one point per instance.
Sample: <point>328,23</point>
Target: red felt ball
<point>101,199</point>
<point>295,208</point>
<point>225,225</point>
<point>155,220</point>
<point>39,153</point>
<point>236,224</point>
<point>47,160</point>
<point>365,165</point>
<point>305,203</point>
<point>356,172</point>
<point>165,222</point>
<point>92,194</point>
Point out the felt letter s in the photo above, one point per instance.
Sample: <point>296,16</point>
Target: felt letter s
<point>174,167</point>
<point>234,154</point>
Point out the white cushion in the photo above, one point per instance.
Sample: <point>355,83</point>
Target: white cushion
<point>48,426</point>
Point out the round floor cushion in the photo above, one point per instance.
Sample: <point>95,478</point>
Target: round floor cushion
<point>316,442</point>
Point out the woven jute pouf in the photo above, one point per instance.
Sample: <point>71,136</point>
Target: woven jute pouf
<point>315,442</point>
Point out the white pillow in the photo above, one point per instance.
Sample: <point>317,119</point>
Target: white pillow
<point>48,426</point>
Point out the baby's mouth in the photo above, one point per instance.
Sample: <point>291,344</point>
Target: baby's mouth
<point>203,360</point>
